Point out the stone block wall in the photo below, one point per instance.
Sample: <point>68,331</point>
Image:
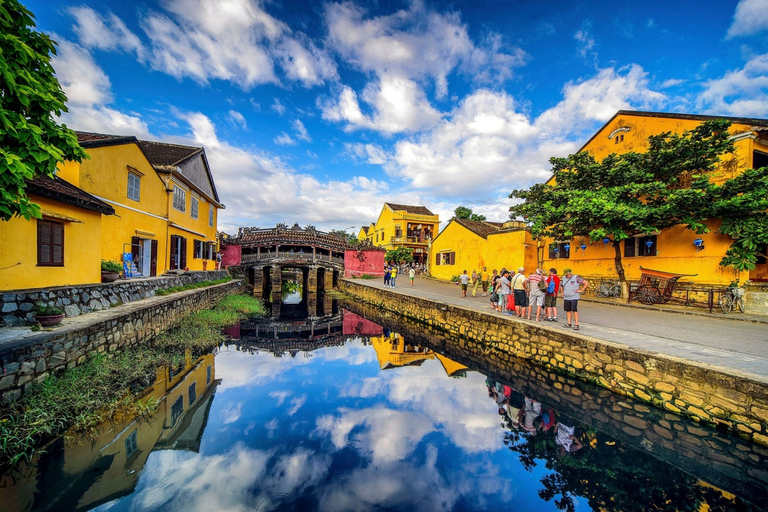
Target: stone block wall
<point>16,306</point>
<point>725,461</point>
<point>678,386</point>
<point>33,359</point>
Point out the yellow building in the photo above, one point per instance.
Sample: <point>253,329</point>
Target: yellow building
<point>401,225</point>
<point>676,249</point>
<point>53,251</point>
<point>471,245</point>
<point>164,196</point>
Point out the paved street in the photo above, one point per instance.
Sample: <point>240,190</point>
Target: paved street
<point>727,342</point>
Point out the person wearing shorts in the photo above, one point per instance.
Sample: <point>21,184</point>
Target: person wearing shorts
<point>550,301</point>
<point>572,286</point>
<point>536,294</point>
<point>504,290</point>
<point>464,280</point>
<point>520,289</point>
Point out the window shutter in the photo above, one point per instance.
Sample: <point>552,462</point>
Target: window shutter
<point>57,243</point>
<point>552,253</point>
<point>43,243</point>
<point>453,258</point>
<point>437,259</point>
<point>629,247</point>
<point>183,253</point>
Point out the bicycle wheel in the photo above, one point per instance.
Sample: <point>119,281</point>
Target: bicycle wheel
<point>726,303</point>
<point>616,290</point>
<point>740,303</point>
<point>600,291</point>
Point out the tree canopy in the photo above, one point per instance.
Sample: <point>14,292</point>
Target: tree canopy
<point>631,193</point>
<point>31,141</point>
<point>463,212</point>
<point>351,238</point>
<point>399,255</point>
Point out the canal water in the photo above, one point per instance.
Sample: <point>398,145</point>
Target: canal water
<point>332,406</point>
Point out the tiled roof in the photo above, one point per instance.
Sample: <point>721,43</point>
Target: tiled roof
<point>480,227</point>
<point>93,140</point>
<point>63,191</point>
<point>161,153</point>
<point>365,229</point>
<point>416,210</point>
<point>269,237</point>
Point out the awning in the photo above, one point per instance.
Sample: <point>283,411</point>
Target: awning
<point>61,217</point>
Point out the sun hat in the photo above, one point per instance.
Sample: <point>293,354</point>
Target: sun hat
<point>566,271</point>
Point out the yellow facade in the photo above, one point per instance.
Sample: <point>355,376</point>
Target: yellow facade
<point>509,246</point>
<point>675,248</point>
<point>404,226</point>
<point>19,268</point>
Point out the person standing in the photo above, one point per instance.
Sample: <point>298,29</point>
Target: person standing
<point>572,286</point>
<point>550,301</point>
<point>412,275</point>
<point>475,282</point>
<point>464,280</point>
<point>484,278</point>
<point>504,291</point>
<point>520,289</point>
<point>537,289</point>
<point>493,286</point>
<point>387,276</point>
<point>393,277</point>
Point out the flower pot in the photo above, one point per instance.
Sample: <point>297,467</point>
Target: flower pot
<point>49,320</point>
<point>108,277</point>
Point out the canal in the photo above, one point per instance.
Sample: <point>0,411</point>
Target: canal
<point>335,406</point>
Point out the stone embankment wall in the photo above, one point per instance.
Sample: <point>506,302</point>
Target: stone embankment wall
<point>16,306</point>
<point>33,359</point>
<point>728,462</point>
<point>678,386</point>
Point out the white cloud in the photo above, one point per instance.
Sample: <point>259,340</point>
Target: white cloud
<point>237,118</point>
<point>301,131</point>
<point>88,91</point>
<point>585,40</point>
<point>233,40</point>
<point>284,140</point>
<point>278,107</point>
<point>104,31</point>
<point>742,92</point>
<point>751,17</point>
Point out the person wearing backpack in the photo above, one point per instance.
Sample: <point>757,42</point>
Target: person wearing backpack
<point>550,301</point>
<point>538,289</point>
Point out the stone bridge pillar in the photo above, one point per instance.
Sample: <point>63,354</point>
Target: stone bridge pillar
<point>312,280</point>
<point>328,279</point>
<point>258,283</point>
<point>277,280</point>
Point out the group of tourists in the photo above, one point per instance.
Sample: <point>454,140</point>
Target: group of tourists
<point>391,272</point>
<point>530,297</point>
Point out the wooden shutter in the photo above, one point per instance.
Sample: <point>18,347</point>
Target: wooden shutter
<point>183,254</point>
<point>173,263</point>
<point>153,259</point>
<point>629,247</point>
<point>437,259</point>
<point>452,256</point>
<point>50,243</point>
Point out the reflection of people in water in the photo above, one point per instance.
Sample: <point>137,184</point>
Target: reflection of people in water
<point>530,413</point>
<point>565,437</point>
<point>515,404</point>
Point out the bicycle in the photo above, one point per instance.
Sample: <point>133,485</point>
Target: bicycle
<point>608,289</point>
<point>734,297</point>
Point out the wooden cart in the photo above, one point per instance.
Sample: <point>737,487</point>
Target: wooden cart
<point>656,286</point>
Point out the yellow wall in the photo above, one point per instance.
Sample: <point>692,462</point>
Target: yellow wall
<point>675,249</point>
<point>473,252</point>
<point>383,230</point>
<point>18,258</point>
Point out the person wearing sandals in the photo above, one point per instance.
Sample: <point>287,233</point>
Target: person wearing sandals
<point>572,286</point>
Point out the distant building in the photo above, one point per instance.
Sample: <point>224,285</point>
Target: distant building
<point>401,225</point>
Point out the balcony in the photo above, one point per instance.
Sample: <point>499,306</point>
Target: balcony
<point>409,240</point>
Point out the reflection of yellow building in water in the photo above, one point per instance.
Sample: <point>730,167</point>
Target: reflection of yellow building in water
<point>99,469</point>
<point>393,351</point>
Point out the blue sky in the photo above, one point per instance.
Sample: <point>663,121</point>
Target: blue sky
<point>318,112</point>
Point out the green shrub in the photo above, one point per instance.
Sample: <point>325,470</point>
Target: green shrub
<point>43,309</point>
<point>111,266</point>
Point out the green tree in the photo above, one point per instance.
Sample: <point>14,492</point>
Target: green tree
<point>32,143</point>
<point>349,237</point>
<point>462,212</point>
<point>628,194</point>
<point>399,255</point>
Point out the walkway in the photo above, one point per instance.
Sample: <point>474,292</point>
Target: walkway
<point>726,342</point>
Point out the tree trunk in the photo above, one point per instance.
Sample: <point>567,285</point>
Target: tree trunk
<point>620,269</point>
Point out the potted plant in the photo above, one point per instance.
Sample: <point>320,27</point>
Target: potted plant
<point>110,271</point>
<point>48,316</point>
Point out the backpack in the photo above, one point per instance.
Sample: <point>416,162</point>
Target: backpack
<point>551,286</point>
<point>543,286</point>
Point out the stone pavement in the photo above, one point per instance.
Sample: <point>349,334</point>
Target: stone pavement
<point>727,342</point>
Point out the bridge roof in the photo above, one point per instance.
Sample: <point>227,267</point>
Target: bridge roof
<point>293,236</point>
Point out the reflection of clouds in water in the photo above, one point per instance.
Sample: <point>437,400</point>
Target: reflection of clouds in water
<point>271,427</point>
<point>353,353</point>
<point>389,435</point>
<point>235,370</point>
<point>280,395</point>
<point>372,386</point>
<point>296,404</point>
<point>242,479</point>
<point>231,412</point>
<point>394,485</point>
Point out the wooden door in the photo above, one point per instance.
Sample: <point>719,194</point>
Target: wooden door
<point>183,250</point>
<point>136,252</point>
<point>173,264</point>
<point>153,259</point>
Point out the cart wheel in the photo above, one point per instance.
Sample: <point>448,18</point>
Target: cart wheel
<point>648,294</point>
<point>726,303</point>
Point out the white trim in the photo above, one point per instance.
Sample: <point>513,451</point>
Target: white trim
<point>741,136</point>
<point>179,184</point>
<point>129,208</point>
<point>174,225</point>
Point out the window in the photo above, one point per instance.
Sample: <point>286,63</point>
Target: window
<point>50,243</point>
<point>210,215</point>
<point>759,160</point>
<point>194,206</point>
<point>210,250</point>
<point>639,246</point>
<point>208,374</point>
<point>130,445</point>
<point>198,249</point>
<point>134,187</point>
<point>557,250</point>
<point>445,258</point>
<point>180,199</point>
<point>192,393</point>
<point>176,409</point>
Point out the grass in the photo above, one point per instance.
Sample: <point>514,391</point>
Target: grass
<point>192,286</point>
<point>107,387</point>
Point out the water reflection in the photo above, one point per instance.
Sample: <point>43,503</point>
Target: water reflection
<point>373,413</point>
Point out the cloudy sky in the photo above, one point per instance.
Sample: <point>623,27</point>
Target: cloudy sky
<point>318,112</point>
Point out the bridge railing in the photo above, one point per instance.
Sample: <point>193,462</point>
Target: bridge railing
<point>288,255</point>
